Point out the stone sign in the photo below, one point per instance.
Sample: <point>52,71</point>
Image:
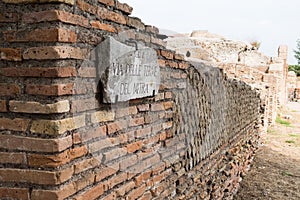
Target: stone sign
<point>127,72</point>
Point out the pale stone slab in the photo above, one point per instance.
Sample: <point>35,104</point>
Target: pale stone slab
<point>127,72</point>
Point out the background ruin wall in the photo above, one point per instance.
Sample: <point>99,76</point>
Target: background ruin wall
<point>58,141</point>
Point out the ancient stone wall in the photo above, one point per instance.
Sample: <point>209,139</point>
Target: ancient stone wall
<point>58,140</point>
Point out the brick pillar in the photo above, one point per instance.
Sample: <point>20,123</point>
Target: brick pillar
<point>283,54</point>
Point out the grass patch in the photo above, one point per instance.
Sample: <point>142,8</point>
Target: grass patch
<point>282,122</point>
<point>287,174</point>
<point>290,141</point>
<point>293,135</point>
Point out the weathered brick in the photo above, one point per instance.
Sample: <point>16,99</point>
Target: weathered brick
<point>179,57</point>
<point>101,144</point>
<point>93,133</point>
<point>114,154</point>
<point>36,107</point>
<point>55,15</point>
<point>51,72</point>
<point>12,142</point>
<point>157,41</point>
<point>152,29</point>
<point>86,164</point>
<point>57,160</point>
<point>133,147</point>
<point>121,112</point>
<point>71,2</point>
<point>143,37</point>
<point>12,158</point>
<point>107,2</point>
<point>168,105</point>
<point>92,193</point>
<point>86,7</point>
<point>136,121</point>
<point>104,13</point>
<point>35,176</point>
<point>41,35</point>
<point>57,127</point>
<point>128,161</point>
<point>110,196</point>
<point>183,65</point>
<point>10,54</point>
<point>14,193</point>
<point>124,7</point>
<point>122,190</point>
<point>9,89</point>
<point>161,62</point>
<point>50,90</point>
<point>167,54</point>
<point>134,194</point>
<point>135,22</point>
<point>54,52</point>
<point>9,17</point>
<point>3,107</point>
<point>102,26</point>
<point>142,133</point>
<point>102,116</point>
<point>16,124</point>
<point>105,172</point>
<point>116,126</point>
<point>157,107</point>
<point>87,72</point>
<point>143,107</point>
<point>115,180</point>
<point>84,104</point>
<point>142,177</point>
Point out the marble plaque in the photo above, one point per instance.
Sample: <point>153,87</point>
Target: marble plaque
<point>127,72</point>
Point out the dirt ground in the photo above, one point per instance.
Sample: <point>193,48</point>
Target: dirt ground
<point>275,171</point>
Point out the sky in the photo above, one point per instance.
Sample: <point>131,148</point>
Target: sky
<point>271,22</point>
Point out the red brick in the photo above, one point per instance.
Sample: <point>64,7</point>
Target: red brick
<point>136,121</point>
<point>50,90</point>
<point>58,159</point>
<point>49,72</point>
<point>122,190</point>
<point>33,176</point>
<point>116,126</point>
<point>168,105</point>
<point>134,194</point>
<point>142,177</point>
<point>91,193</point>
<point>115,180</point>
<point>168,95</point>
<point>102,26</point>
<point>133,147</point>
<point>157,41</point>
<point>9,89</point>
<point>104,13</point>
<point>143,108</point>
<point>172,64</point>
<point>14,193</point>
<point>135,22</point>
<point>161,62</point>
<point>41,35</point>
<point>10,54</point>
<point>111,196</point>
<point>12,158</point>
<point>55,15</point>
<point>12,142</point>
<point>107,2</point>
<point>16,124</point>
<point>9,17</point>
<point>86,7</point>
<point>183,65</point>
<point>146,196</point>
<point>124,7</point>
<point>179,56</point>
<point>167,54</point>
<point>3,107</point>
<point>54,52</point>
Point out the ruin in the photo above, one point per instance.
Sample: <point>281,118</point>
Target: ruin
<point>189,131</point>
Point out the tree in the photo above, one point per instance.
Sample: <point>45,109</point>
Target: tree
<point>295,68</point>
<point>297,51</point>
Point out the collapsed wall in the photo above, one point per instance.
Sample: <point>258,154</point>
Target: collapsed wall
<point>192,139</point>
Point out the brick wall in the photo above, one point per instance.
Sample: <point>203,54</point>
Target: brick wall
<point>58,141</point>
